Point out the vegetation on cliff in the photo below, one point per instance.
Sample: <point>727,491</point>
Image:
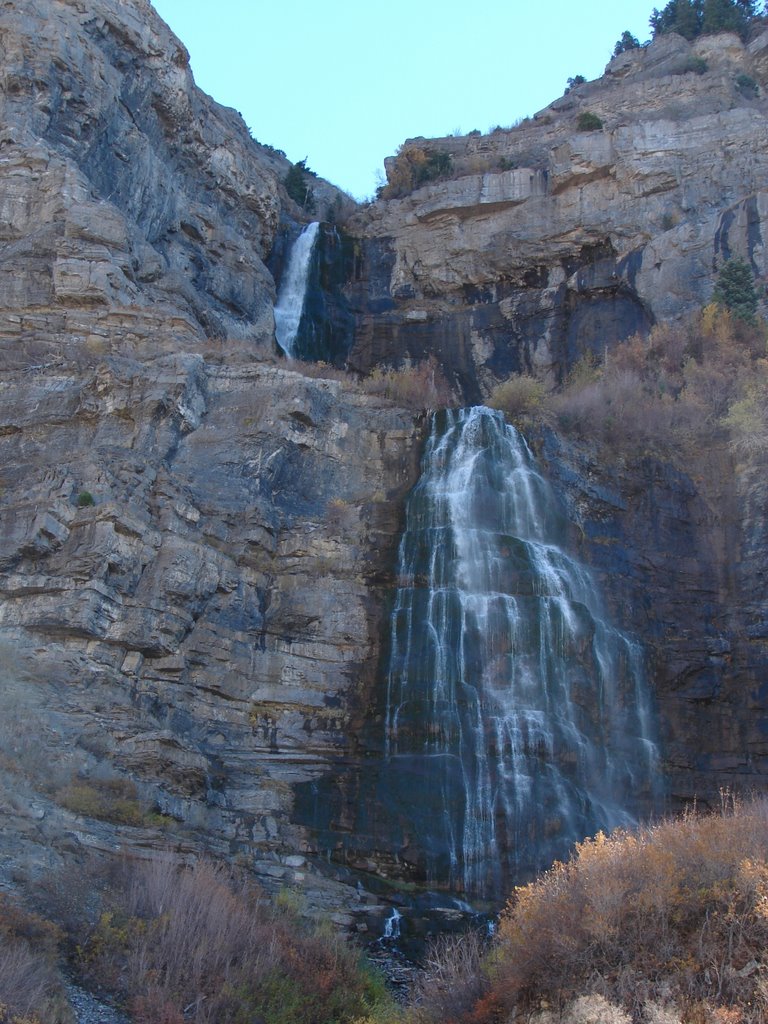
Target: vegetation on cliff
<point>297,186</point>
<point>415,165</point>
<point>31,988</point>
<point>692,18</point>
<point>674,391</point>
<point>666,924</point>
<point>174,944</point>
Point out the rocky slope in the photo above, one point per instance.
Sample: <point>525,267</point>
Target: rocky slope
<point>198,542</point>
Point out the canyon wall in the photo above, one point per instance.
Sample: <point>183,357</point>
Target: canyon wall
<point>199,540</point>
<point>548,242</point>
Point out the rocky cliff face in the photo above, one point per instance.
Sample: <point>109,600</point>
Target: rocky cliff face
<point>547,241</point>
<point>192,541</point>
<point>198,543</point>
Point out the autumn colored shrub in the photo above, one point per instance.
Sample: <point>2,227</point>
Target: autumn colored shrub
<point>518,396</point>
<point>418,386</point>
<point>113,799</point>
<point>414,166</point>
<point>747,418</point>
<point>669,392</point>
<point>30,986</point>
<point>672,915</point>
<point>200,944</point>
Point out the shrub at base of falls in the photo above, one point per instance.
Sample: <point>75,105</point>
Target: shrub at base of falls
<point>518,397</point>
<point>419,386</point>
<point>667,923</point>
<point>31,990</point>
<point>202,945</point>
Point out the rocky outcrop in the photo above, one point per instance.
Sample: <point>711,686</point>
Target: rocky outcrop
<point>676,552</point>
<point>548,241</point>
<point>124,184</point>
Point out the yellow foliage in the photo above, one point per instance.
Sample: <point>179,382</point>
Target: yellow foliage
<point>518,396</point>
<point>679,910</point>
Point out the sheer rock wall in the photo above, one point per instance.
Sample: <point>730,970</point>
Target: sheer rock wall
<point>211,626</point>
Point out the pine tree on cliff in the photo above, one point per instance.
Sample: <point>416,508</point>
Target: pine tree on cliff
<point>726,16</point>
<point>681,16</point>
<point>627,42</point>
<point>692,18</point>
<point>735,289</point>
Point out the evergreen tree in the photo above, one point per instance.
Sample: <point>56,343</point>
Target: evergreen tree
<point>296,185</point>
<point>723,16</point>
<point>627,42</point>
<point>681,16</point>
<point>735,289</point>
<point>692,18</point>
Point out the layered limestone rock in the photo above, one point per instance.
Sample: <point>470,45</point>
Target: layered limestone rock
<point>209,624</point>
<point>198,544</point>
<point>124,183</point>
<point>192,541</point>
<point>548,241</point>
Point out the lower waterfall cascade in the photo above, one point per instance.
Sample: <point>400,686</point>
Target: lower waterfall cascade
<point>518,718</point>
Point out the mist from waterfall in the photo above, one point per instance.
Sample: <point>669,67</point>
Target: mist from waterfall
<point>293,288</point>
<point>518,718</point>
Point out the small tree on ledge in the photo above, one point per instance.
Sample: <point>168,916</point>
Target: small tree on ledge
<point>297,187</point>
<point>589,122</point>
<point>627,42</point>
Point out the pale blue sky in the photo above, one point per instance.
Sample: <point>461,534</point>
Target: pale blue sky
<point>343,83</point>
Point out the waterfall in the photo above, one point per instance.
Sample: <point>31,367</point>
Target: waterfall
<point>293,287</point>
<point>518,719</point>
<point>392,925</point>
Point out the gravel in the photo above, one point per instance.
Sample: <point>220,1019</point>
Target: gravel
<point>90,1010</point>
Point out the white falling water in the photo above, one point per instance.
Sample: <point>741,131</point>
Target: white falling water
<point>518,718</point>
<point>293,288</point>
<point>392,925</point>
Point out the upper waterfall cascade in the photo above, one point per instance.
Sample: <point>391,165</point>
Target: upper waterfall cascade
<point>518,719</point>
<point>293,287</point>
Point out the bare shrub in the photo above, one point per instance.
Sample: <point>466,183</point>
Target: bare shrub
<point>318,370</point>
<point>419,386</point>
<point>453,979</point>
<point>30,985</point>
<point>203,945</point>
